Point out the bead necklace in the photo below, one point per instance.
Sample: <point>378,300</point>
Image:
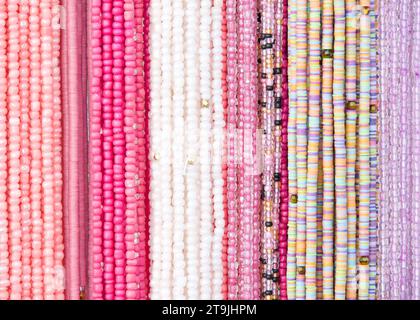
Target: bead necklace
<point>156,207</point>
<point>24,88</point>
<point>301,142</point>
<point>217,151</point>
<point>340,151</point>
<point>269,223</point>
<point>281,17</point>
<point>225,151</point>
<point>248,267</point>
<point>178,149</point>
<point>232,157</point>
<point>192,145</point>
<point>363,153</point>
<point>373,215</point>
<point>143,139</point>
<point>13,103</point>
<point>205,129</point>
<point>415,102</point>
<point>166,283</point>
<point>95,151</point>
<point>130,159</point>
<point>47,148</point>
<point>4,247</point>
<point>313,147</point>
<point>291,129</point>
<point>327,152</point>
<point>58,155</point>
<point>351,128</point>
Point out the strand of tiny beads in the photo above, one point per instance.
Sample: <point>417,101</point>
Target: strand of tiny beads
<point>291,143</point>
<point>351,128</point>
<point>313,147</point>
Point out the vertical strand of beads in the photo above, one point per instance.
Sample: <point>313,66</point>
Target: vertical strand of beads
<point>363,153</point>
<point>373,215</point>
<point>108,154</point>
<point>284,188</point>
<point>96,173</point>
<point>73,123</point>
<point>24,136</point>
<point>217,151</point>
<point>301,142</point>
<point>192,145</point>
<point>130,158</point>
<point>141,146</point>
<point>178,156</point>
<point>204,155</point>
<point>225,151</point>
<point>4,241</point>
<point>340,151</point>
<point>14,153</point>
<point>166,66</point>
<point>232,157</point>
<point>314,47</point>
<point>327,151</point>
<point>36,152</point>
<point>415,103</point>
<point>291,143</point>
<point>47,149</point>
<point>58,280</point>
<point>156,209</point>
<point>248,276</point>
<point>119,147</point>
<point>141,37</point>
<point>351,144</point>
<point>269,223</point>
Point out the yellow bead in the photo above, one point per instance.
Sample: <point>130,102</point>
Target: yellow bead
<point>205,103</point>
<point>301,270</point>
<point>364,261</point>
<point>293,198</point>
<point>373,108</point>
<point>351,105</point>
<point>327,54</point>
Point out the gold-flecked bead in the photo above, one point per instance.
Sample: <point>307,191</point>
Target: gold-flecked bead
<point>364,261</point>
<point>351,105</point>
<point>82,294</point>
<point>366,10</point>
<point>293,198</point>
<point>301,270</point>
<point>373,108</point>
<point>205,103</point>
<point>190,162</point>
<point>327,54</point>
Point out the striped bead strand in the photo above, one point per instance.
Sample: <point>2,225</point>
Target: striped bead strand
<point>327,151</point>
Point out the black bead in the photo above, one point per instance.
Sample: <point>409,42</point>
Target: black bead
<point>264,75</point>
<point>270,88</point>
<point>277,122</point>
<point>277,176</point>
<point>277,71</point>
<point>268,224</point>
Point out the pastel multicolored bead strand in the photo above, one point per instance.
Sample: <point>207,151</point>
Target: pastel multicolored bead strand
<point>4,246</point>
<point>327,151</point>
<point>291,129</point>
<point>301,142</point>
<point>314,59</point>
<point>191,143</point>
<point>363,153</point>
<point>351,145</point>
<point>340,151</point>
<point>232,157</point>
